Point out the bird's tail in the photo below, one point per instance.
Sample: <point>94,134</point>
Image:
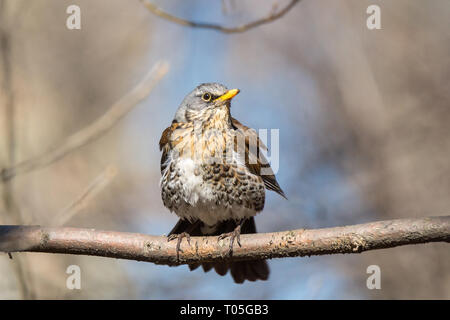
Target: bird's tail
<point>240,270</point>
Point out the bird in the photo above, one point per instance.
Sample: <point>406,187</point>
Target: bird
<point>214,176</point>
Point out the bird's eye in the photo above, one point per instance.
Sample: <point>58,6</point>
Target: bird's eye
<point>207,97</point>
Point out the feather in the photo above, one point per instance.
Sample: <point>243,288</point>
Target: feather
<point>254,162</point>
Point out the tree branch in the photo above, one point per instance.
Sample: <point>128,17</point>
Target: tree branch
<point>93,131</point>
<point>274,15</point>
<point>156,249</point>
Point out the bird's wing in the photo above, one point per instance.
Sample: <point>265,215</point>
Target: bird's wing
<point>254,159</point>
<point>164,145</point>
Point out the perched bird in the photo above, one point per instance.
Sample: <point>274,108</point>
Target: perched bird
<point>214,176</point>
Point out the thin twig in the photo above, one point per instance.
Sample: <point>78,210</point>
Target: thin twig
<point>156,249</point>
<point>97,185</point>
<point>271,17</point>
<point>93,131</point>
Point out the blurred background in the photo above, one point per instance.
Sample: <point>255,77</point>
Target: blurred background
<point>364,135</point>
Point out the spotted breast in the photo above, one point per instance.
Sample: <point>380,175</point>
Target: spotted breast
<point>204,180</point>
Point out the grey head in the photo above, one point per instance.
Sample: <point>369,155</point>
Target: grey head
<point>204,97</point>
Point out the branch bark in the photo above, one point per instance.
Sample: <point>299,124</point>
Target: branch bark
<point>274,15</point>
<point>156,249</point>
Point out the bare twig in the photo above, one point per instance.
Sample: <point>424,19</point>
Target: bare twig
<point>94,130</point>
<point>274,15</point>
<point>97,185</point>
<point>156,249</point>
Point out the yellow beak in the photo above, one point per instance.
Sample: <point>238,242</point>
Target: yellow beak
<point>228,95</point>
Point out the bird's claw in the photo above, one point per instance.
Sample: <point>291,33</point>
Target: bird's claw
<point>179,237</point>
<point>234,235</point>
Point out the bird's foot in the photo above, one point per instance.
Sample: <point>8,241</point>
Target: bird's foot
<point>179,237</point>
<point>234,235</point>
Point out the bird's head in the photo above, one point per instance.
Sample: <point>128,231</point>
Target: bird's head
<point>204,102</point>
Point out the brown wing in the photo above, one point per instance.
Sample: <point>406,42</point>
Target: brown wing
<point>255,160</point>
<point>164,146</point>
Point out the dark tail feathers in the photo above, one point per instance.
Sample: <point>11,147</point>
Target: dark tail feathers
<point>240,270</point>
